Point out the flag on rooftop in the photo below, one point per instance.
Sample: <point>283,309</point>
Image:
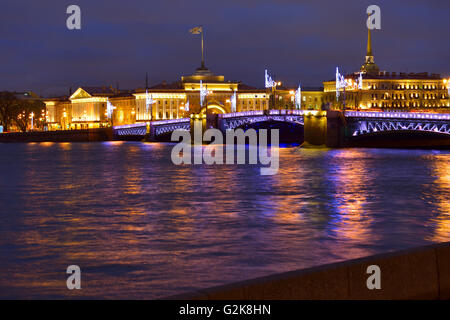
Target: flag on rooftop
<point>196,30</point>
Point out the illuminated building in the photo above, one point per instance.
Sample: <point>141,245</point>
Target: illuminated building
<point>170,100</point>
<point>59,113</point>
<point>87,107</point>
<point>84,109</point>
<point>203,91</point>
<point>388,91</point>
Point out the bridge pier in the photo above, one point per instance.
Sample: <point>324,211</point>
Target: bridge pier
<point>198,120</point>
<point>151,134</point>
<point>336,127</point>
<point>315,128</point>
<point>324,128</point>
<point>203,121</point>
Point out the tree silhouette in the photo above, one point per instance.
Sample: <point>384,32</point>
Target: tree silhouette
<point>23,110</point>
<point>7,102</point>
<point>18,111</point>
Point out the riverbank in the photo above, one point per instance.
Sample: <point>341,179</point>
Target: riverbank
<point>89,135</point>
<point>403,141</point>
<point>418,273</point>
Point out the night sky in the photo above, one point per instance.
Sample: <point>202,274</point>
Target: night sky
<point>298,41</point>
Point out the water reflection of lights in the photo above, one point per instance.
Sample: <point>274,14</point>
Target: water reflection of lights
<point>353,185</point>
<point>65,145</point>
<point>441,192</point>
<point>46,144</point>
<point>144,228</point>
<point>113,143</point>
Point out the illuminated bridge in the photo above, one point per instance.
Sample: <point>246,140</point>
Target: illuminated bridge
<point>224,121</point>
<point>364,123</point>
<point>155,128</point>
<point>240,119</point>
<point>331,128</point>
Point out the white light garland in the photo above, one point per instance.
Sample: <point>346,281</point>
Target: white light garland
<point>360,81</point>
<point>269,81</point>
<point>203,93</point>
<point>340,83</point>
<point>233,102</point>
<point>109,109</point>
<point>148,100</point>
<point>298,98</point>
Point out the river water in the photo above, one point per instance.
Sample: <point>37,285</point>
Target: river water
<point>140,227</point>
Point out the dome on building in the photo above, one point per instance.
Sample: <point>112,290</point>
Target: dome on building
<point>203,74</point>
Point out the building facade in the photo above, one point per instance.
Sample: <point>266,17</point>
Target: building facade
<point>87,107</point>
<point>388,91</point>
<point>203,91</point>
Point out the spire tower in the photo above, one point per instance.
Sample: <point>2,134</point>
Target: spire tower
<point>369,66</point>
<point>369,44</point>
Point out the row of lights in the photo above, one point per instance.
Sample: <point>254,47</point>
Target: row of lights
<point>405,115</point>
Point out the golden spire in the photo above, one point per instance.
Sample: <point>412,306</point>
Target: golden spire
<point>369,44</point>
<point>369,66</point>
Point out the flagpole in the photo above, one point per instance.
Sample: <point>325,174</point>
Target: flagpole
<point>203,57</point>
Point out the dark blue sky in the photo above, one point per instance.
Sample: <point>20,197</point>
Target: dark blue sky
<point>299,41</point>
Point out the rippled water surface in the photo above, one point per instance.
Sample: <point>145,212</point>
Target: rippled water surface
<point>141,227</point>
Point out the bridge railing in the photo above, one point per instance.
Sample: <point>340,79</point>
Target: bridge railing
<point>397,115</point>
<point>153,123</point>
<point>286,112</point>
<point>130,126</point>
<point>169,121</point>
<point>260,113</point>
<point>242,114</point>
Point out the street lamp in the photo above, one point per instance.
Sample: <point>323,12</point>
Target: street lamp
<point>32,120</point>
<point>181,111</point>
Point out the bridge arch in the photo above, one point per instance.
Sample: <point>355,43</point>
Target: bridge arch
<point>362,128</point>
<point>269,121</point>
<point>214,108</point>
<point>290,132</point>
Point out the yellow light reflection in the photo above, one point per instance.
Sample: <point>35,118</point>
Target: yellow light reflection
<point>441,168</point>
<point>353,184</point>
